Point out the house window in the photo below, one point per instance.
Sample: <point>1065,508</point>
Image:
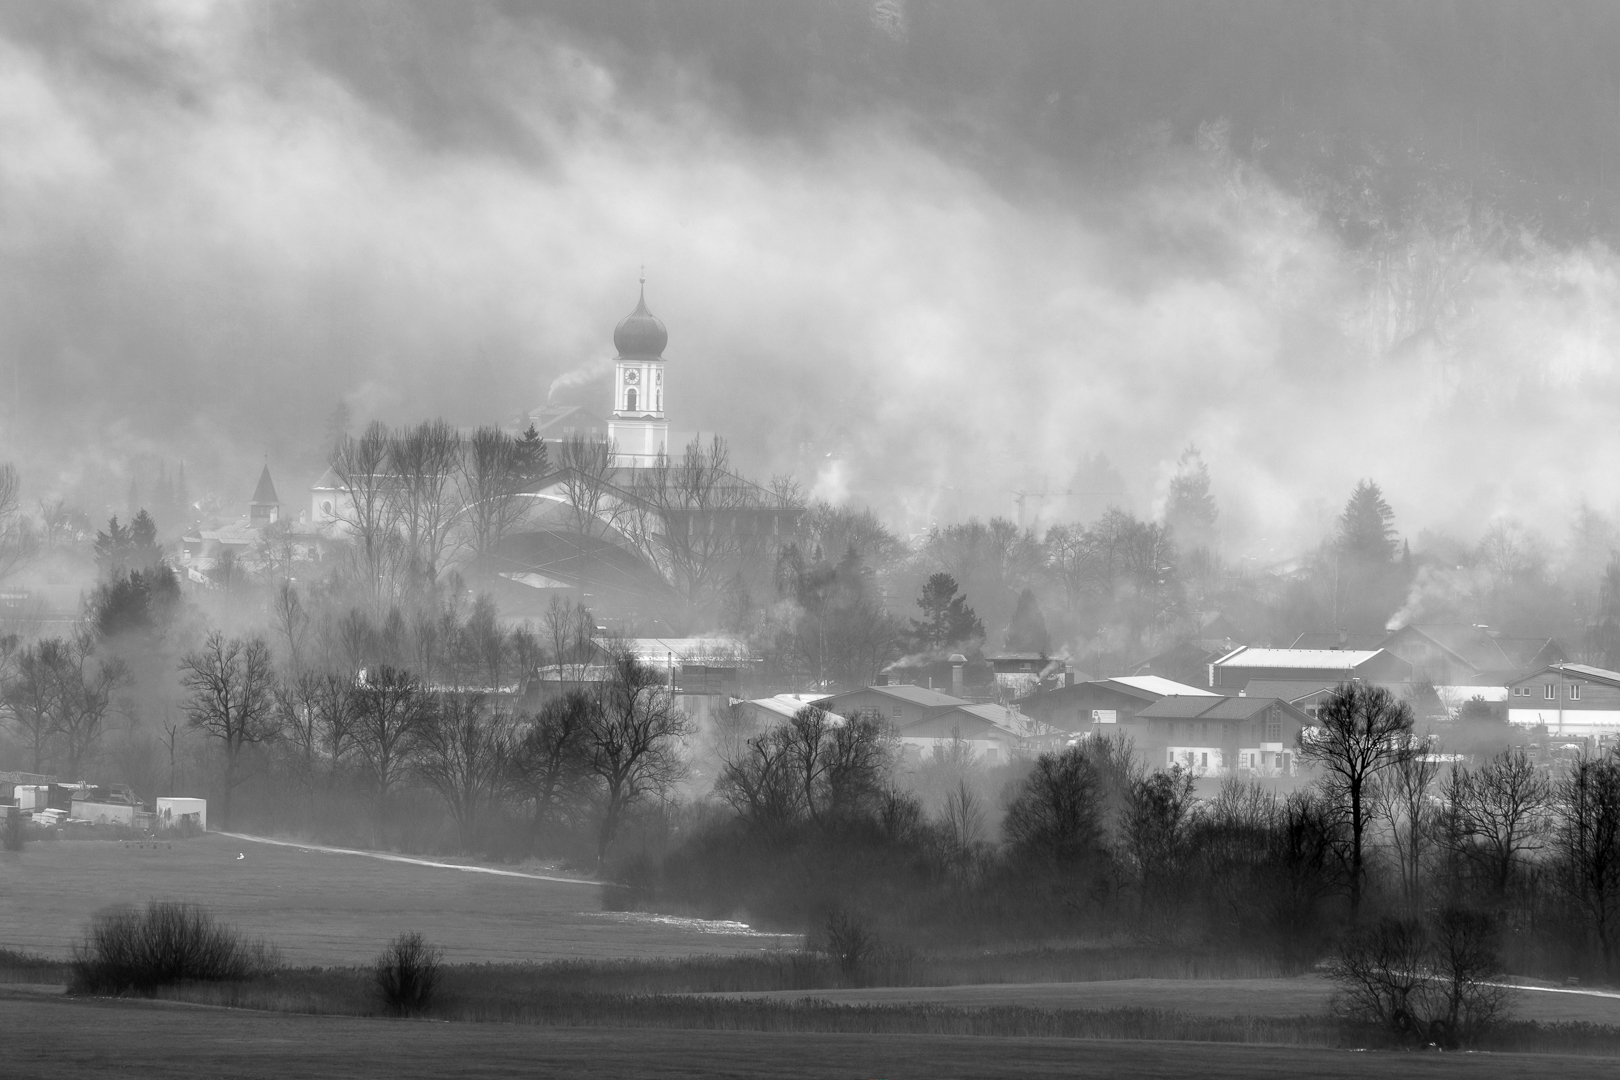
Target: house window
<point>1203,761</point>
<point>1551,691</point>
<point>1574,691</point>
<point>1273,728</point>
<point>899,711</point>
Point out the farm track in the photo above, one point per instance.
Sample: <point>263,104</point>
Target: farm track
<point>386,856</point>
<point>47,1036</point>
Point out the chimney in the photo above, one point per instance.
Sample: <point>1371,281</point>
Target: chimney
<point>1068,673</point>
<point>958,662</point>
<point>1344,639</point>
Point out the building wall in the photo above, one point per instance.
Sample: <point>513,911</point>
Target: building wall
<point>1576,706</point>
<point>1071,708</point>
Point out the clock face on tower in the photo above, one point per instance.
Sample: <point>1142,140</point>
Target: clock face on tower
<point>632,377</point>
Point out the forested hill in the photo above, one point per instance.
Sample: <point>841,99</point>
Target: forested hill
<point>1370,105</point>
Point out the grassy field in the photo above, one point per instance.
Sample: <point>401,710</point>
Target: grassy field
<point>140,1038</point>
<point>1217,997</point>
<point>322,909</point>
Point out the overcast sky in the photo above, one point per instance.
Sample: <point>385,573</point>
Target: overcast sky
<point>915,290</point>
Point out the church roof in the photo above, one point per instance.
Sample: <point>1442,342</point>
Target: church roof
<point>265,493</point>
<point>640,333</point>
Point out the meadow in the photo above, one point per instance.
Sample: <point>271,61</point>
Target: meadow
<point>321,908</point>
<point>139,1038</point>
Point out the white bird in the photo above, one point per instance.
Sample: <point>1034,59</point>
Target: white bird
<point>239,855</point>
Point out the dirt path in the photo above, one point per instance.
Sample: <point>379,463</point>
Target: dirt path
<point>387,857</point>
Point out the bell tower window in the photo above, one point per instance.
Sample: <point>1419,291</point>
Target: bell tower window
<point>630,400</point>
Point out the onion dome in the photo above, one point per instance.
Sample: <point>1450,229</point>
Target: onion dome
<point>641,334</point>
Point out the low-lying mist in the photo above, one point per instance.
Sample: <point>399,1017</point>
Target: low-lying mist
<point>215,229</point>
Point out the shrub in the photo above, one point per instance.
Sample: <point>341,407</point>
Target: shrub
<point>11,829</point>
<point>850,942</point>
<point>407,974</point>
<point>1427,982</point>
<point>130,950</point>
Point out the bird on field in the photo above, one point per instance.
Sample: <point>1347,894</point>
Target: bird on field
<point>240,856</point>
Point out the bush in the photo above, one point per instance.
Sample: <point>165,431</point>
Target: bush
<point>1430,982</point>
<point>129,950</point>
<point>11,829</point>
<point>407,974</point>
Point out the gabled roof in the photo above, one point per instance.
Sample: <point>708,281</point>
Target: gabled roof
<point>1220,708</point>
<point>1178,708</point>
<point>1008,720</point>
<point>787,706</point>
<point>1581,671</point>
<point>1320,659</point>
<point>1291,691</point>
<point>1480,649</point>
<point>265,493</point>
<point>1155,684</point>
<point>1334,639</point>
<point>915,695</point>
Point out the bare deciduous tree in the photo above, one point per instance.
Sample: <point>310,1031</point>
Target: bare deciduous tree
<point>633,746</point>
<point>1360,731</point>
<point>1500,813</point>
<point>368,507</point>
<point>390,709</point>
<point>231,686</point>
<point>463,750</point>
<point>422,461</point>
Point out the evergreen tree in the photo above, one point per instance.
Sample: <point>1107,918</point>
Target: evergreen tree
<point>1027,632</point>
<point>112,548</point>
<point>947,620</point>
<point>533,461</point>
<point>144,550</point>
<point>1366,528</point>
<point>1190,512</point>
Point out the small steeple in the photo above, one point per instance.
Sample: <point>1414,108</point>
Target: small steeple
<point>266,506</point>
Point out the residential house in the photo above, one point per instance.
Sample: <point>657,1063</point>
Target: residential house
<point>1573,700</point>
<point>1102,705</point>
<point>991,732</point>
<point>1219,736</point>
<point>1461,654</point>
<point>900,705</point>
<point>1237,668</point>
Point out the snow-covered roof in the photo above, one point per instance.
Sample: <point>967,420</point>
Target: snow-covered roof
<point>1155,684</point>
<point>1335,659</point>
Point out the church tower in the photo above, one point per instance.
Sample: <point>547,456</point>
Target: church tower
<point>638,427</point>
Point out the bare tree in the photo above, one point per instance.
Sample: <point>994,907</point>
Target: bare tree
<point>633,746</point>
<point>1360,731</point>
<point>230,682</point>
<point>838,763</point>
<point>390,709</point>
<point>570,632</point>
<point>463,751</point>
<point>18,544</point>
<point>1588,839</point>
<point>31,697</point>
<point>369,509</point>
<point>759,780</point>
<point>495,472</point>
<point>1406,801</point>
<point>700,521</point>
<point>422,461</point>
<point>549,764</point>
<point>290,621</point>
<point>527,656</point>
<point>85,684</point>
<point>595,501</point>
<point>1501,813</point>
